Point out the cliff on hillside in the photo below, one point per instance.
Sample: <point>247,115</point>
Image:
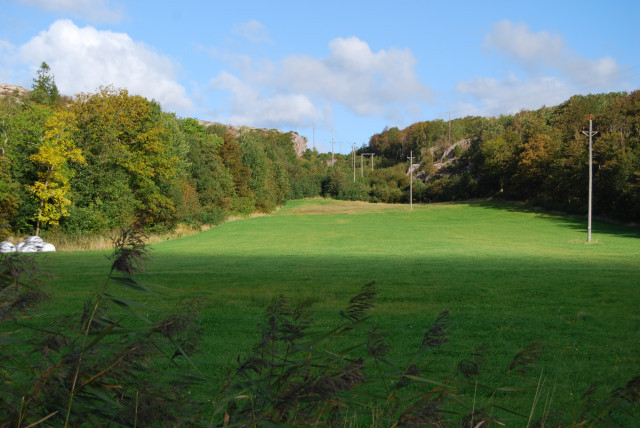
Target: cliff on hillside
<point>299,142</point>
<point>7,90</point>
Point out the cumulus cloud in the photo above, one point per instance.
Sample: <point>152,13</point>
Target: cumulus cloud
<point>248,106</point>
<point>253,31</point>
<point>544,49</point>
<point>510,95</point>
<point>548,71</point>
<point>380,84</point>
<point>83,59</point>
<point>92,10</point>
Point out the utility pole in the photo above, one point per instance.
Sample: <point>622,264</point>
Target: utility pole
<point>591,133</point>
<point>449,129</point>
<point>411,180</point>
<point>332,160</point>
<point>354,162</point>
<point>372,155</point>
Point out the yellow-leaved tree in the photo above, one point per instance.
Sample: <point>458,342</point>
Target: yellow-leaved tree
<point>52,161</point>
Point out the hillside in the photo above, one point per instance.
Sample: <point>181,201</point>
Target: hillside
<point>540,156</point>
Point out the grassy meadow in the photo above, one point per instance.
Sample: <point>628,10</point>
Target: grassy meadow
<point>510,276</point>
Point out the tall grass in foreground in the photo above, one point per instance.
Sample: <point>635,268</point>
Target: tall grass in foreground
<point>296,376</point>
<point>96,367</point>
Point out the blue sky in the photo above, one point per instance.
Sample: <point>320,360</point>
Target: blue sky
<point>353,67</point>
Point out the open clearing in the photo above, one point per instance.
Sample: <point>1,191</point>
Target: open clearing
<point>509,276</point>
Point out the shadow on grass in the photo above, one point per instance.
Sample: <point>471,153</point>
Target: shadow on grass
<point>575,222</point>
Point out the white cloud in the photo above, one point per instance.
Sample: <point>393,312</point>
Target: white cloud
<point>249,107</point>
<point>253,31</point>
<point>549,73</point>
<point>510,95</point>
<point>373,84</point>
<point>545,50</point>
<point>381,83</point>
<point>83,59</point>
<point>92,10</point>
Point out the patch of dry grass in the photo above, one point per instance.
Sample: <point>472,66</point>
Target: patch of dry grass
<point>332,207</point>
<point>89,242</point>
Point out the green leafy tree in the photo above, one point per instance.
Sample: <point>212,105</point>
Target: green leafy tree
<point>52,159</point>
<point>212,181</point>
<point>495,157</point>
<point>231,154</point>
<point>130,161</point>
<point>9,200</point>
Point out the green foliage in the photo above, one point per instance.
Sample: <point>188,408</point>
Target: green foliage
<point>243,201</point>
<point>536,156</point>
<point>216,129</point>
<point>8,197</point>
<point>121,136</point>
<point>44,89</point>
<point>387,184</point>
<point>301,375</point>
<point>52,158</point>
<point>213,216</point>
<point>149,166</point>
<point>107,366</point>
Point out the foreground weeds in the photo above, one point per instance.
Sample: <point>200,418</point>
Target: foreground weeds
<point>109,365</point>
<point>114,365</point>
<point>296,376</point>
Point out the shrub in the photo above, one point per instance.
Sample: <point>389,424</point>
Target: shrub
<point>213,216</point>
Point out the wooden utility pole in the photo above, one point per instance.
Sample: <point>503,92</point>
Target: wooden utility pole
<point>411,180</point>
<point>590,134</point>
<point>449,129</point>
<point>332,160</point>
<point>372,155</point>
<point>354,162</point>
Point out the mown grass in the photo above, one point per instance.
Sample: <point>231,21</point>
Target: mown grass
<point>510,276</point>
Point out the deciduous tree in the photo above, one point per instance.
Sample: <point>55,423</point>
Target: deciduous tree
<point>52,159</point>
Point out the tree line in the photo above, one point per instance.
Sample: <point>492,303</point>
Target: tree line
<point>102,161</point>
<point>539,156</point>
<point>105,160</point>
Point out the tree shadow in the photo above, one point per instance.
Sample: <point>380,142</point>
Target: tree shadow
<point>599,226</point>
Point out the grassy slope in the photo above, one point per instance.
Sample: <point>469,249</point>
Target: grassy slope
<point>509,277</point>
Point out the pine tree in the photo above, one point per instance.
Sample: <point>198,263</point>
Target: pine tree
<point>44,89</point>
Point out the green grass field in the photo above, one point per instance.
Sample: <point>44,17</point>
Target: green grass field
<point>509,276</point>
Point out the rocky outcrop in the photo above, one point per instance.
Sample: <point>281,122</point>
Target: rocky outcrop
<point>13,91</point>
<point>299,142</point>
